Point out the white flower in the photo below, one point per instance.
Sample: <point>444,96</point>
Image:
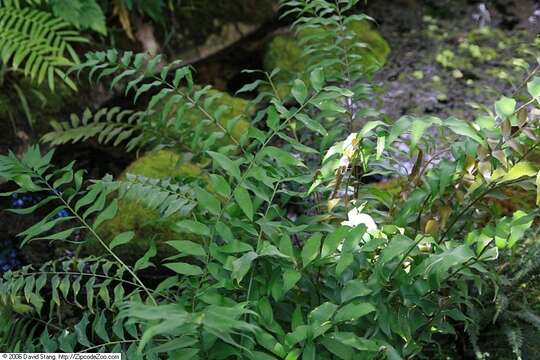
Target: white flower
<point>356,217</point>
<point>348,150</point>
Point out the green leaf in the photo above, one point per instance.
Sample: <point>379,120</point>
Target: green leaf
<point>207,201</point>
<point>297,318</point>
<point>418,127</point>
<point>311,249</point>
<point>290,278</point>
<point>463,128</point>
<point>505,107</point>
<point>107,214</point>
<point>242,265</point>
<point>187,247</point>
<point>230,167</point>
<point>144,261</point>
<point>370,125</point>
<point>322,313</point>
<point>272,118</point>
<point>191,226</point>
<point>309,352</point>
<point>121,239</point>
<point>80,330</point>
<point>538,188</point>
<point>343,352</point>
<point>92,17</point>
<point>299,91</point>
<point>332,241</point>
<point>220,185</point>
<point>311,124</point>
<point>282,157</point>
<point>380,146</point>
<point>243,200</point>
<point>398,245</point>
<point>353,311</point>
<point>354,288</point>
<point>344,261</point>
<point>181,342</point>
<point>285,246</point>
<point>316,77</point>
<point>521,169</point>
<point>533,87</point>
<point>185,269</point>
<point>356,342</point>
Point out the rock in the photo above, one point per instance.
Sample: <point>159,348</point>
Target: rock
<point>211,26</point>
<point>285,52</point>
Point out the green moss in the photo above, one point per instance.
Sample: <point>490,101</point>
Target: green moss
<point>285,52</point>
<point>161,164</point>
<point>146,223</point>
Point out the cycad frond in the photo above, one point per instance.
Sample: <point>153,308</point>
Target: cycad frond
<point>162,195</point>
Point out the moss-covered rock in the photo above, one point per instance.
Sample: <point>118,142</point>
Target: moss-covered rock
<point>133,216</point>
<point>236,108</point>
<point>285,51</point>
<point>161,164</point>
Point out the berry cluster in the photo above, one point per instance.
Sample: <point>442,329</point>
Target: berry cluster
<point>19,201</point>
<point>23,200</point>
<point>8,257</point>
<point>61,214</point>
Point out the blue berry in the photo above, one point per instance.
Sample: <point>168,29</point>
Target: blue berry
<point>61,214</point>
<point>18,203</point>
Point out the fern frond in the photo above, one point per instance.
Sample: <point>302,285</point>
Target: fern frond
<point>37,43</point>
<point>116,126</point>
<point>529,316</point>
<point>501,305</point>
<point>64,188</point>
<point>162,195</point>
<point>529,265</point>
<point>80,296</point>
<point>216,321</point>
<point>144,76</point>
<point>515,339</point>
<point>106,125</point>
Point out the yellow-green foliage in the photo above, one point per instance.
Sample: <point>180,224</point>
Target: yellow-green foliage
<point>285,51</point>
<point>146,223</point>
<point>235,107</point>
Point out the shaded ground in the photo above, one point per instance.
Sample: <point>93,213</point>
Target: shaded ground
<point>443,60</point>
